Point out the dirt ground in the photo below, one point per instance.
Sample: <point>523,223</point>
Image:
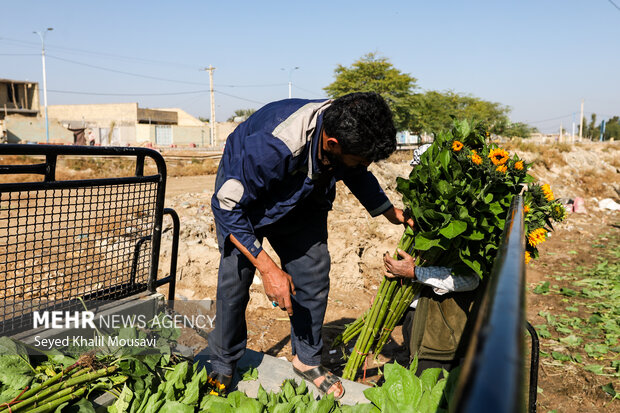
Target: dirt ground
<point>357,241</point>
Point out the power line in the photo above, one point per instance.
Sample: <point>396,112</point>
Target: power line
<point>154,77</point>
<point>125,73</point>
<point>550,119</point>
<point>614,4</point>
<point>239,97</point>
<point>19,54</point>
<point>309,91</point>
<point>90,52</point>
<point>71,92</point>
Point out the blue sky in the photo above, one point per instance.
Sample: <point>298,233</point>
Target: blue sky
<point>540,57</point>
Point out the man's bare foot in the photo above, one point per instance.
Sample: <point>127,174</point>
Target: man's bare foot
<point>336,389</point>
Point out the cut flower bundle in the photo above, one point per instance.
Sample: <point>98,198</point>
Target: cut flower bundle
<point>458,196</point>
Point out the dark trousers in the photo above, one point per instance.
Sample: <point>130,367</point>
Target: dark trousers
<point>300,240</point>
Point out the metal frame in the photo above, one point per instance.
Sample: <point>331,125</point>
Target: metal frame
<point>27,205</point>
<point>492,376</point>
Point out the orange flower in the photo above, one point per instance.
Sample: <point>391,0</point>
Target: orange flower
<point>502,169</point>
<point>528,257</point>
<point>498,156</point>
<point>526,209</point>
<point>475,158</point>
<point>457,146</point>
<point>537,236</point>
<point>548,192</point>
<point>519,166</point>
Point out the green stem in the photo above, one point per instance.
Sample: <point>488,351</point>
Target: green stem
<point>73,381</point>
<point>52,405</point>
<point>45,384</point>
<point>377,315</point>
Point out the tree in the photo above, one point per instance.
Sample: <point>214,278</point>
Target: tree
<point>372,73</point>
<point>593,130</point>
<point>429,112</point>
<point>612,129</point>
<point>241,113</point>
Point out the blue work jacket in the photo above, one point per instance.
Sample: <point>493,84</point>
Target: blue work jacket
<point>270,165</point>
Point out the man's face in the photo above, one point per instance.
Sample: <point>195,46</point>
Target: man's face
<point>333,152</point>
<point>353,161</point>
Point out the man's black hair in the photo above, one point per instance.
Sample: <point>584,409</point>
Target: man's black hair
<point>362,123</point>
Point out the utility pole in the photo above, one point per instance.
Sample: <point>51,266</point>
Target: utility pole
<point>212,141</point>
<point>42,36</point>
<point>581,122</point>
<point>290,80</point>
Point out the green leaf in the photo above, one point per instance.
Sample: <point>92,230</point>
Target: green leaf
<point>571,341</point>
<point>248,374</point>
<point>444,158</point>
<point>123,401</point>
<point>429,378</point>
<point>609,389</point>
<point>475,236</point>
<point>596,350</point>
<point>423,244</point>
<point>213,404</point>
<point>81,406</point>
<point>453,229</point>
<point>402,387</point>
<point>248,406</point>
<point>559,356</point>
<point>568,292</point>
<point>173,406</point>
<point>15,370</point>
<point>594,368</point>
<point>496,208</point>
<point>542,288</point>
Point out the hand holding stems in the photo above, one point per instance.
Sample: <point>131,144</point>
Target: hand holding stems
<point>404,267</point>
<point>278,284</point>
<point>397,216</point>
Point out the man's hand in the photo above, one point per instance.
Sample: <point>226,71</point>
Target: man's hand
<point>397,216</point>
<point>405,267</point>
<point>278,287</point>
<point>278,284</point>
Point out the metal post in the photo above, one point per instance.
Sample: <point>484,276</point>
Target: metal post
<point>290,80</point>
<point>42,36</point>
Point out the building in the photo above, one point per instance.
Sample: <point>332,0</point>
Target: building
<point>17,99</point>
<point>114,124</point>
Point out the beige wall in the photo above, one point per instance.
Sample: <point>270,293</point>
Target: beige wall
<point>25,129</point>
<point>185,119</point>
<point>122,114</point>
<point>222,130</point>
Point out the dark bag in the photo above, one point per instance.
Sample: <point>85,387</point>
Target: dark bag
<point>442,324</point>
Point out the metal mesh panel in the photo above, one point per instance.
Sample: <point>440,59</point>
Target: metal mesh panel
<point>63,243</point>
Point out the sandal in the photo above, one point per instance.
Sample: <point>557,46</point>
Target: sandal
<point>320,371</point>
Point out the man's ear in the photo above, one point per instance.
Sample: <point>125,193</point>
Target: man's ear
<point>333,144</point>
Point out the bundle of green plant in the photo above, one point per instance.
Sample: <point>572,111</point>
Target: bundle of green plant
<point>48,385</point>
<point>459,196</point>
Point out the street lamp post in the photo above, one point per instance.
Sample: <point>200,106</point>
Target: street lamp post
<point>290,80</point>
<point>42,36</point>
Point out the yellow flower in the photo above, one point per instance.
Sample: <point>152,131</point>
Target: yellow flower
<point>526,209</point>
<point>548,192</point>
<point>502,169</point>
<point>457,146</point>
<point>498,156</point>
<point>519,166</point>
<point>537,236</point>
<point>475,158</point>
<point>214,393</point>
<point>528,257</point>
